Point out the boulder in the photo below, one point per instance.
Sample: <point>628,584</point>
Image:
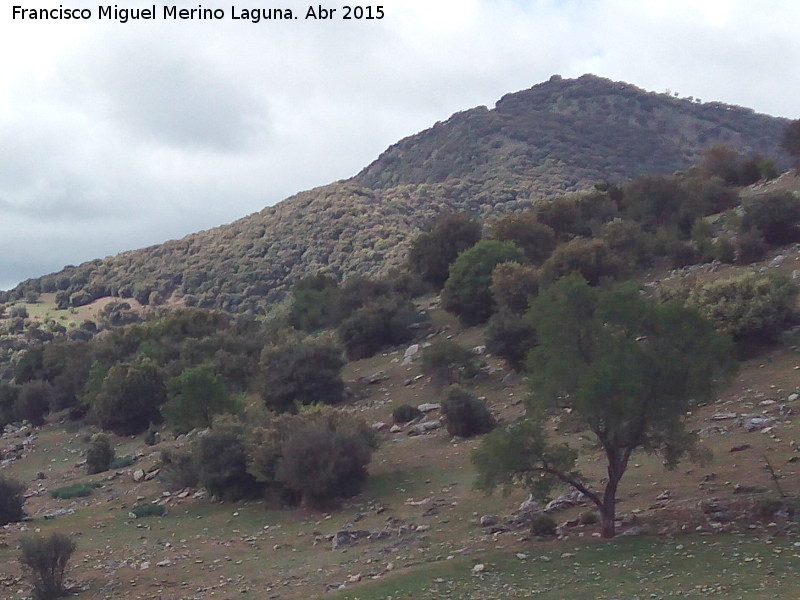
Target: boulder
<point>429,406</point>
<point>138,475</point>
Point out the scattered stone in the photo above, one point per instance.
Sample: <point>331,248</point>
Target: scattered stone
<point>163,563</point>
<point>565,501</point>
<point>138,475</point>
<point>376,377</point>
<point>793,397</point>
<point>740,447</point>
<point>488,520</point>
<point>411,351</point>
<point>425,427</point>
<point>395,429</point>
<point>479,350</point>
<point>752,423</point>
<point>429,406</point>
<point>632,531</point>
<point>479,568</point>
<point>379,426</point>
<point>723,416</point>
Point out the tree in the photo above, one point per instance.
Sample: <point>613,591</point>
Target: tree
<point>33,402</point>
<point>12,497</point>
<point>626,367</point>
<point>591,258</point>
<point>221,460</point>
<point>466,415</point>
<point>46,558</point>
<point>513,285</point>
<point>535,239</point>
<point>467,292</point>
<point>314,302</point>
<point>776,215</point>
<point>130,397</point>
<point>433,252</point>
<point>383,323</point>
<point>195,396</point>
<point>301,373</point>
<point>791,140</point>
<point>99,455</point>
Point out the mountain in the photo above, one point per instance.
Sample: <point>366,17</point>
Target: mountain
<point>556,137</point>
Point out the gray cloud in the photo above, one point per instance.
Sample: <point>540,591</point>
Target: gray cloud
<point>120,136</point>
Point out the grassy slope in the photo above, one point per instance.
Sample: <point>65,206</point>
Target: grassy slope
<point>252,550</point>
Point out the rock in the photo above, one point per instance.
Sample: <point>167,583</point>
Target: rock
<point>152,474</point>
<point>748,489</point>
<point>354,578</point>
<point>395,429</point>
<point>479,350</point>
<point>428,407</point>
<point>479,568</point>
<point>411,351</point>
<point>59,513</point>
<point>425,427</point>
<point>565,501</point>
<point>376,377</point>
<point>144,566</point>
<point>488,520</point>
<point>723,416</point>
<point>348,537</point>
<point>793,397</point>
<point>752,423</point>
<point>665,495</point>
<point>163,563</point>
<point>138,475</point>
<point>521,555</point>
<point>379,426</point>
<point>631,531</point>
<point>740,447</point>
<point>778,260</point>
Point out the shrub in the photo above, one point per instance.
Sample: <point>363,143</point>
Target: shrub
<point>45,559</point>
<point>301,373</point>
<point>149,510</point>
<point>129,397</point>
<point>536,240</point>
<point>152,436</point>
<point>8,400</point>
<point>314,302</point>
<point>543,525</point>
<point>466,415</point>
<point>750,247</point>
<point>629,241</point>
<point>196,396</point>
<point>405,413</point>
<point>446,362</point>
<point>381,324</point>
<point>467,293</point>
<point>325,458</point>
<point>121,462</point>
<point>589,517</point>
<point>512,286</point>
<point>511,337</point>
<point>752,308</point>
<point>33,402</point>
<point>593,259</point>
<point>179,469</point>
<point>12,497</point>
<point>775,215</point>
<point>433,252</point>
<point>76,490</point>
<point>99,455</point>
<point>221,459</point>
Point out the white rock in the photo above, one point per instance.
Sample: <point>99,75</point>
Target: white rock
<point>429,406</point>
<point>479,568</point>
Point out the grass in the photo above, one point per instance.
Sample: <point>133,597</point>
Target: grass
<point>726,566</point>
<point>76,490</point>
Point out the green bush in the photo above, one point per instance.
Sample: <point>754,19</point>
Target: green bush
<point>752,308</point>
<point>45,560</point>
<point>513,285</point>
<point>129,397</point>
<point>195,397</point>
<point>446,362</point>
<point>510,336</point>
<point>33,402</point>
<point>221,458</point>
<point>543,525</point>
<point>466,415</point>
<point>405,413</point>
<point>776,215</point>
<point>593,259</point>
<point>76,490</point>
<point>99,455</point>
<point>149,510</point>
<point>377,325</point>
<point>750,247</point>
<point>325,457</point>
<point>433,252</point>
<point>589,517</point>
<point>121,462</point>
<point>467,293</point>
<point>12,497</point>
<point>301,373</point>
<point>179,468</point>
<point>314,302</point>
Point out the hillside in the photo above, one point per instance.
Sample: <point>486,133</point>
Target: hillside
<point>559,136</point>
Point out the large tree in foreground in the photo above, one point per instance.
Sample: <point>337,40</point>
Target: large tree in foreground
<point>627,367</point>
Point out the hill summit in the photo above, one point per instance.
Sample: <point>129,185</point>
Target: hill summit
<point>559,136</point>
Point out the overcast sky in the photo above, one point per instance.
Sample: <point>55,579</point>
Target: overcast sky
<point>117,136</point>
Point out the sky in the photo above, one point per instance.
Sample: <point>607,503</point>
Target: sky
<point>115,136</point>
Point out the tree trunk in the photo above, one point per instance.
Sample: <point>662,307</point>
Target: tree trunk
<point>608,510</point>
